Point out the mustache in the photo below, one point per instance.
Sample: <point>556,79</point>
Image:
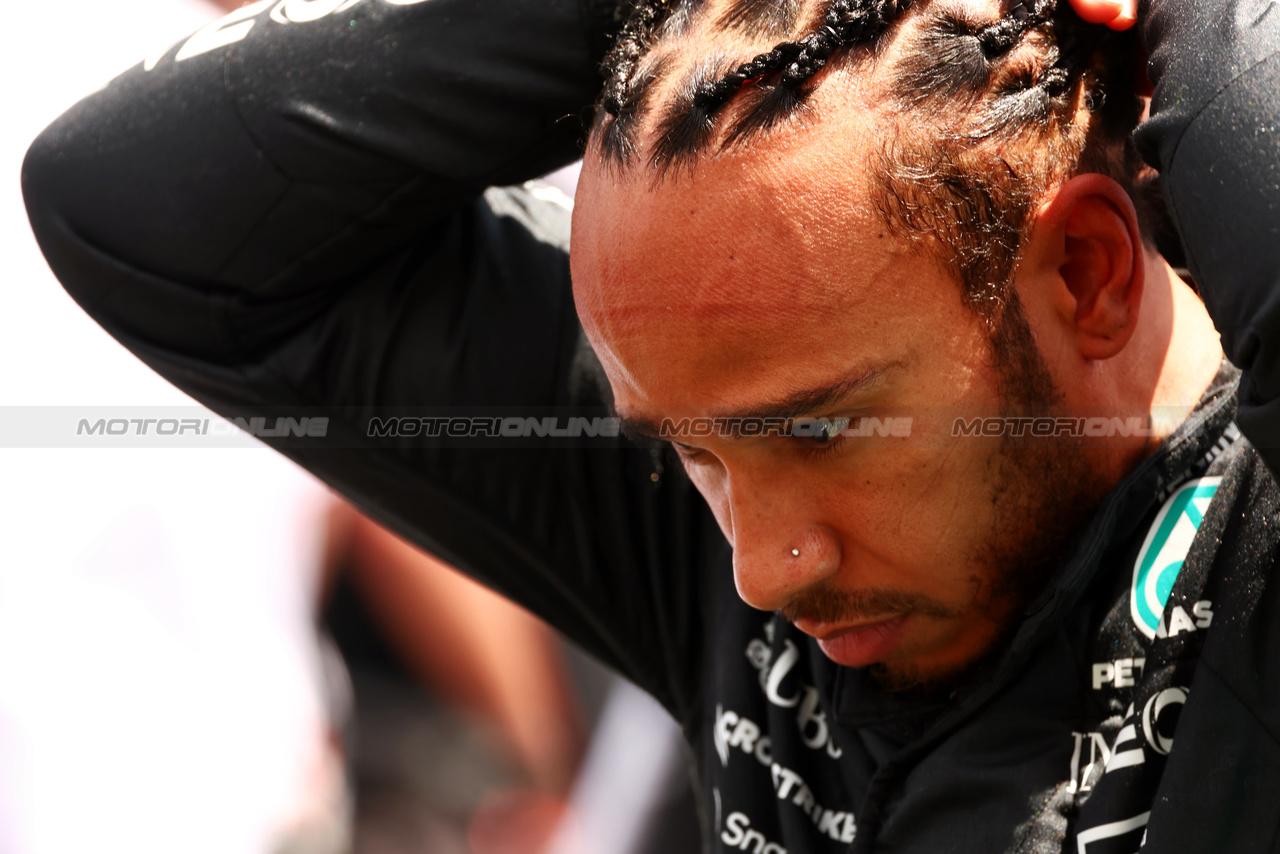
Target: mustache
<point>822,605</point>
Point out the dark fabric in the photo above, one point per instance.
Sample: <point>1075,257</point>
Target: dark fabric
<point>289,212</point>
<point>296,219</point>
<point>1213,135</point>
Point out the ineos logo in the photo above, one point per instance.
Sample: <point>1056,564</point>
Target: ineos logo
<point>1151,716</point>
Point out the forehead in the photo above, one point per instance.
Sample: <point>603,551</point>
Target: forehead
<point>756,273</point>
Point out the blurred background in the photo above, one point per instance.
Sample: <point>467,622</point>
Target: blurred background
<point>203,650</point>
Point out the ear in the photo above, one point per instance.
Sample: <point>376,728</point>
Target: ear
<point>1087,235</point>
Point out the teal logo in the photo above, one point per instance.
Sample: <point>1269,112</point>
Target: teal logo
<point>1164,550</point>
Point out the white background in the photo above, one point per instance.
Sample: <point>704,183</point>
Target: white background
<point>158,688</point>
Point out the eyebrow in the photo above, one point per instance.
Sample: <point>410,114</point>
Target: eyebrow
<point>799,404</point>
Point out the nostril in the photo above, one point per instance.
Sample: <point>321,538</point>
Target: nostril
<point>770,574</point>
<point>816,553</point>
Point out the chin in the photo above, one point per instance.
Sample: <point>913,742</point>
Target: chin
<point>910,678</point>
<point>929,677</point>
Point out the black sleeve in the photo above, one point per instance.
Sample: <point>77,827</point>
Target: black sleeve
<point>289,209</point>
<point>1214,134</point>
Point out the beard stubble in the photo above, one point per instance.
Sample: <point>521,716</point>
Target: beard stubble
<point>1042,492</point>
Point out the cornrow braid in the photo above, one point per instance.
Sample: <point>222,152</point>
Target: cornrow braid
<point>971,106</point>
<point>623,58</point>
<point>956,57</point>
<point>1066,61</point>
<point>1000,38</point>
<point>690,118</point>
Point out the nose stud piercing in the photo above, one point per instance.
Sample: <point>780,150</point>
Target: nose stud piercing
<point>795,553</point>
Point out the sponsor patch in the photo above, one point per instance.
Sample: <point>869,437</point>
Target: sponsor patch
<point>1164,550</point>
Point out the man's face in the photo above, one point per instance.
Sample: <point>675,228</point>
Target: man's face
<point>763,283</point>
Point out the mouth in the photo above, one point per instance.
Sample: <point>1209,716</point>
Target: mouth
<point>859,645</point>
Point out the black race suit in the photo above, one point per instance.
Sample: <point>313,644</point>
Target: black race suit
<point>288,213</point>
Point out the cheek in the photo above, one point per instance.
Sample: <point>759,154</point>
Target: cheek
<point>919,506</point>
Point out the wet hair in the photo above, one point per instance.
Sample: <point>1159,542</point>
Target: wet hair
<point>984,116</point>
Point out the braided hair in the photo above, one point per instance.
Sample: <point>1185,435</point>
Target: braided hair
<point>777,76</point>
<point>984,116</point>
<point>1018,106</point>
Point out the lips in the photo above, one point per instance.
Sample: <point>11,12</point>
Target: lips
<point>858,646</point>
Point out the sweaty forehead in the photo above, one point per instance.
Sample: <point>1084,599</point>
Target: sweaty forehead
<point>741,227</point>
<point>733,269</point>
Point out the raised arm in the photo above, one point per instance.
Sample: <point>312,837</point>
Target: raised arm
<point>1214,135</point>
<point>288,209</point>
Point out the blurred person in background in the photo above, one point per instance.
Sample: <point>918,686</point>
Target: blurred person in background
<point>161,687</point>
<point>465,718</point>
<point>468,725</point>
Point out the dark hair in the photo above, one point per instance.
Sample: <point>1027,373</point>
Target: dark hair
<point>985,115</point>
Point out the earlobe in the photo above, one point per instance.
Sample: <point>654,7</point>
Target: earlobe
<point>1092,221</point>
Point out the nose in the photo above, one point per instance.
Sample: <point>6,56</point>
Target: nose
<point>778,549</point>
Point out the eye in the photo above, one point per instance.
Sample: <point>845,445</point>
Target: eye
<point>832,429</point>
<point>822,437</point>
